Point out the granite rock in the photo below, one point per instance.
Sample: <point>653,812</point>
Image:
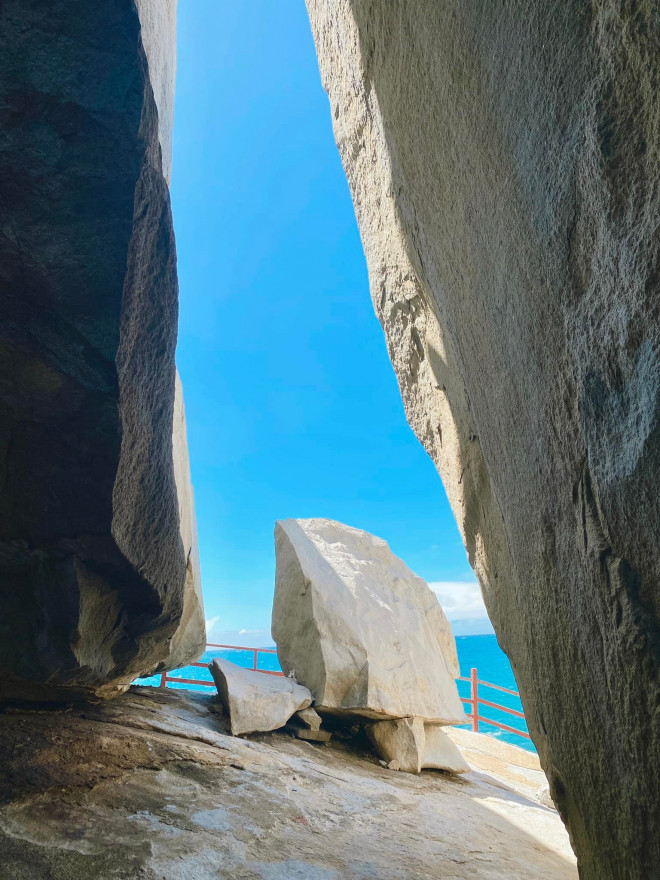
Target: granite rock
<point>503,161</point>
<point>358,627</point>
<point>151,786</point>
<point>189,640</point>
<point>410,745</point>
<point>92,567</point>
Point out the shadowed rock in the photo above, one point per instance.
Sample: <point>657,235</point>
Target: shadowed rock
<point>503,160</point>
<point>92,565</point>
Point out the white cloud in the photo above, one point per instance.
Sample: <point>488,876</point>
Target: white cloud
<point>460,600</point>
<point>210,624</point>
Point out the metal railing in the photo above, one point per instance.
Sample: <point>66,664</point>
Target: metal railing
<point>165,677</point>
<point>475,701</point>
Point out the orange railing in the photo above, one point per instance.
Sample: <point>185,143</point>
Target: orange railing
<point>166,677</point>
<point>475,701</point>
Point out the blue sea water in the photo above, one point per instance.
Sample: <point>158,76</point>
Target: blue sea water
<point>479,652</point>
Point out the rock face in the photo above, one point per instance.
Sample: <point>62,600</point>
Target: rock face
<point>150,786</point>
<point>358,627</point>
<point>256,701</point>
<point>503,162</point>
<point>189,640</point>
<point>92,567</point>
<point>412,745</point>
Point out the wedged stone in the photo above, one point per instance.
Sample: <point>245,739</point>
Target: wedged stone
<point>255,701</point>
<point>499,159</point>
<point>400,741</point>
<point>544,797</point>
<point>410,745</point>
<point>358,627</point>
<point>309,718</point>
<point>307,734</point>
<point>92,567</point>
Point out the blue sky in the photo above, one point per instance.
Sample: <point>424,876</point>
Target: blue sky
<point>292,405</point>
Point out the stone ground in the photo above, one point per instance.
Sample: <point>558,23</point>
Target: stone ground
<point>151,787</point>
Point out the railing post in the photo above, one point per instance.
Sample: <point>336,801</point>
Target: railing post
<point>475,699</point>
<point>163,680</point>
<point>255,659</point>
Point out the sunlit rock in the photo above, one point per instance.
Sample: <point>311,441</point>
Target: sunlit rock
<point>358,627</point>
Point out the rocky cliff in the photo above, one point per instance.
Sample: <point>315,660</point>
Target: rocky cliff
<point>503,162</point>
<point>92,562</point>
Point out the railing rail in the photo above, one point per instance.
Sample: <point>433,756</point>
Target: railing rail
<point>475,701</point>
<point>165,677</point>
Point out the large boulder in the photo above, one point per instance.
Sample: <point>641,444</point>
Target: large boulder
<point>357,627</point>
<point>410,745</point>
<point>92,565</point>
<point>257,701</point>
<point>503,159</point>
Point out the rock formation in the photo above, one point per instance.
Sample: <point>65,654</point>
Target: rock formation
<point>92,564</point>
<point>189,639</point>
<point>255,701</point>
<point>503,160</point>
<point>359,628</point>
<point>410,745</point>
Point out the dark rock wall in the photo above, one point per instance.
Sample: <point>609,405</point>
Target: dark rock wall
<point>504,164</point>
<point>91,562</point>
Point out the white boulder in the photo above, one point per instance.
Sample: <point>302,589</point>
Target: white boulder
<point>364,633</point>
<point>256,701</point>
<point>410,745</point>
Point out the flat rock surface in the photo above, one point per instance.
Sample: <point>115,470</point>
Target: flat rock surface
<point>151,787</point>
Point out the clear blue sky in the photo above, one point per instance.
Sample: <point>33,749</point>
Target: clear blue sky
<point>292,405</point>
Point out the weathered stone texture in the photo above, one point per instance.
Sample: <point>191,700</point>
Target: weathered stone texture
<point>357,627</point>
<point>92,567</point>
<point>149,786</point>
<point>503,159</point>
<point>189,640</point>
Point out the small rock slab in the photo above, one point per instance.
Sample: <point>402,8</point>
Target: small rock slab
<point>256,701</point>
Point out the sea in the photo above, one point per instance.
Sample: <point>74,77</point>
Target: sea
<point>474,652</point>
